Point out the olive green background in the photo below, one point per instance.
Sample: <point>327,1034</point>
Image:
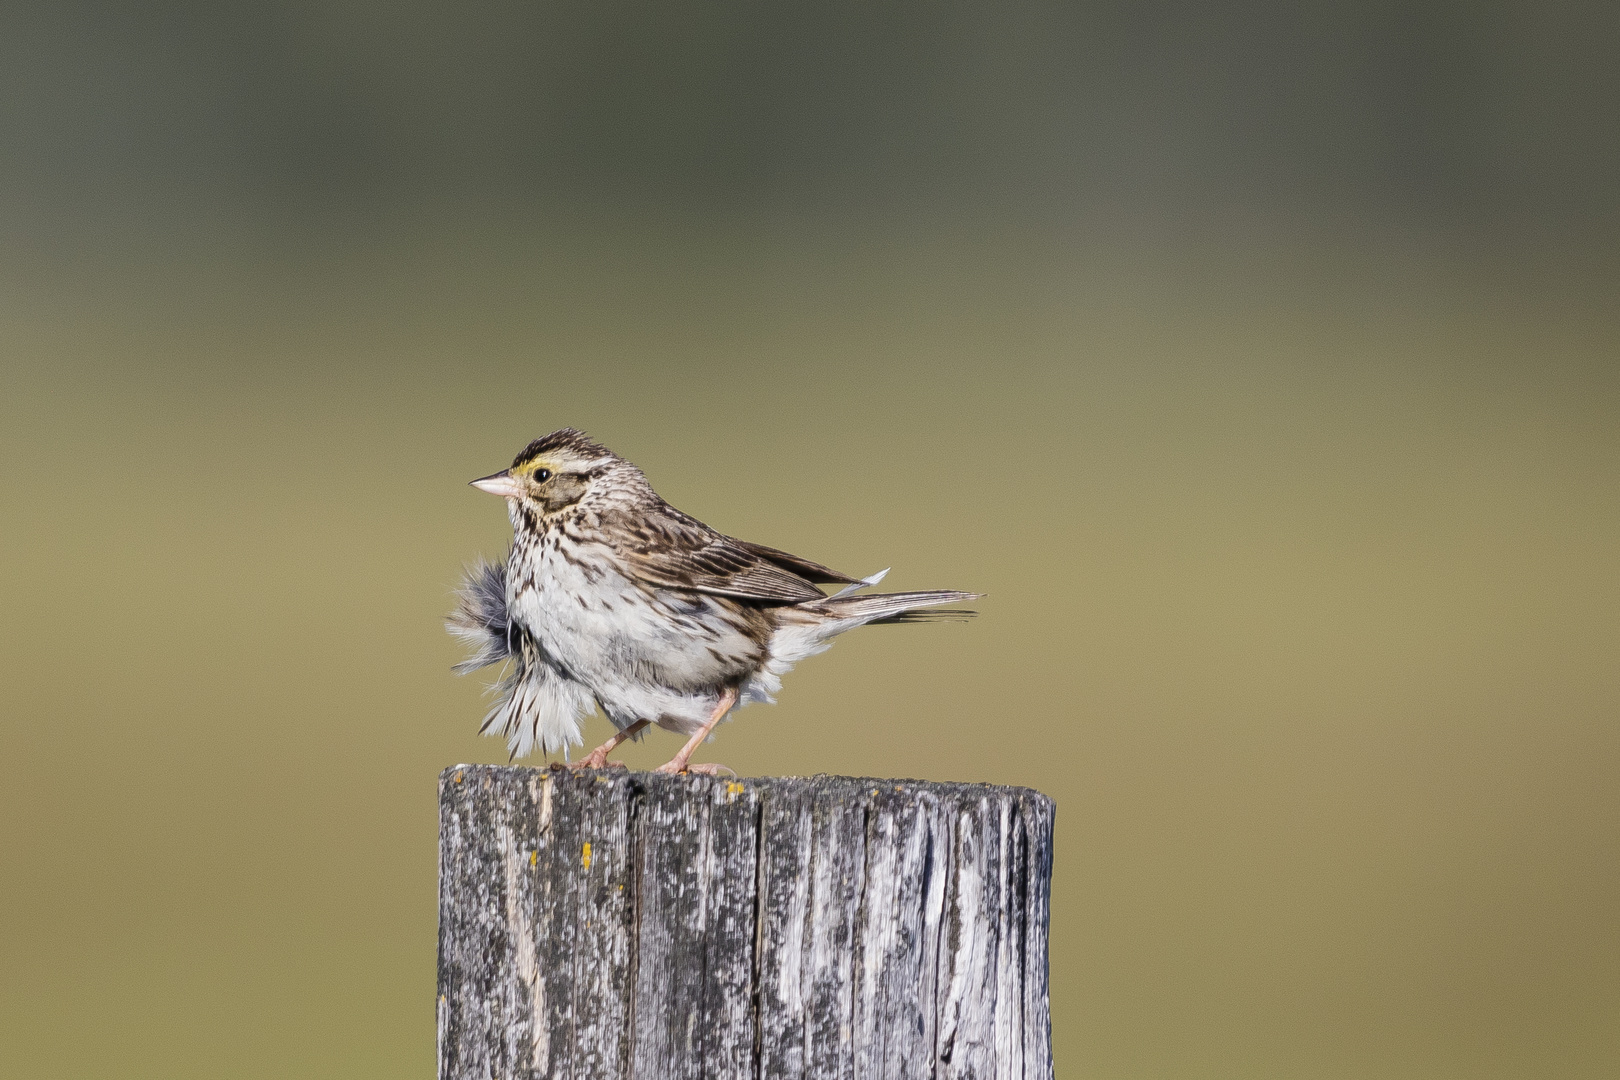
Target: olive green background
<point>1258,361</point>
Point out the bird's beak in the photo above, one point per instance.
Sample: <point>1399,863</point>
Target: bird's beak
<point>502,483</point>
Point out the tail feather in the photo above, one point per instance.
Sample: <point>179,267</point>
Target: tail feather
<point>926,615</point>
<point>891,606</point>
<point>807,629</point>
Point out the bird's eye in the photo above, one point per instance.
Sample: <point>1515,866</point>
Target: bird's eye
<point>542,475</point>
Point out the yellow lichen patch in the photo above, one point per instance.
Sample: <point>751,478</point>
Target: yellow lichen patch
<point>458,778</point>
<point>534,859</point>
<point>585,855</point>
<point>735,789</point>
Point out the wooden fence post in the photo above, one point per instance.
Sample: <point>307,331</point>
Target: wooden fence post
<point>631,925</point>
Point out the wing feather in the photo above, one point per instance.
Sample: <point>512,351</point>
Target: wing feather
<point>810,571</point>
<point>675,551</point>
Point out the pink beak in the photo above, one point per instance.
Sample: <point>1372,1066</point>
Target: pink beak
<point>502,483</point>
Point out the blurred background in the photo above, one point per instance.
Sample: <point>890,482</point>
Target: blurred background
<point>1258,360</point>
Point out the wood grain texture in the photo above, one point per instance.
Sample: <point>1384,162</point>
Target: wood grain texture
<point>631,925</point>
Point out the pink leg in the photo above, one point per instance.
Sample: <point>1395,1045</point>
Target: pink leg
<point>597,759</point>
<point>678,763</point>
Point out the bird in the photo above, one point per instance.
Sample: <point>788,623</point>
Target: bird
<point>610,597</point>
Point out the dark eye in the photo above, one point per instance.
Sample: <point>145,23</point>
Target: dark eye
<point>542,475</point>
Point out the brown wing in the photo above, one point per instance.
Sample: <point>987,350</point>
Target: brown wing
<point>804,568</point>
<point>679,552</point>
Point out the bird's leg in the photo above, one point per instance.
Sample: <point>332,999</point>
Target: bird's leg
<point>597,759</point>
<point>678,763</point>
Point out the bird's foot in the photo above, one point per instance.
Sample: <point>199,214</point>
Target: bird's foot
<point>679,763</point>
<point>707,768</point>
<point>597,759</point>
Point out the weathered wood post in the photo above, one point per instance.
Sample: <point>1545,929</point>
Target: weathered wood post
<point>631,925</point>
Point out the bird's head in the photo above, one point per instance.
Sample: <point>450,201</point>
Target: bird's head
<point>554,472</point>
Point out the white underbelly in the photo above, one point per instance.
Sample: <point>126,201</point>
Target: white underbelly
<point>661,657</point>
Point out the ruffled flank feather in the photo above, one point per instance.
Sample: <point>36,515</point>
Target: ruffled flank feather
<point>480,619</point>
<point>536,707</point>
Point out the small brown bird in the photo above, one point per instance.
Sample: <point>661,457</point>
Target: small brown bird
<point>612,596</point>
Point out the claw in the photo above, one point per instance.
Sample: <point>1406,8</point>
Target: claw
<point>597,759</point>
<point>707,768</point>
